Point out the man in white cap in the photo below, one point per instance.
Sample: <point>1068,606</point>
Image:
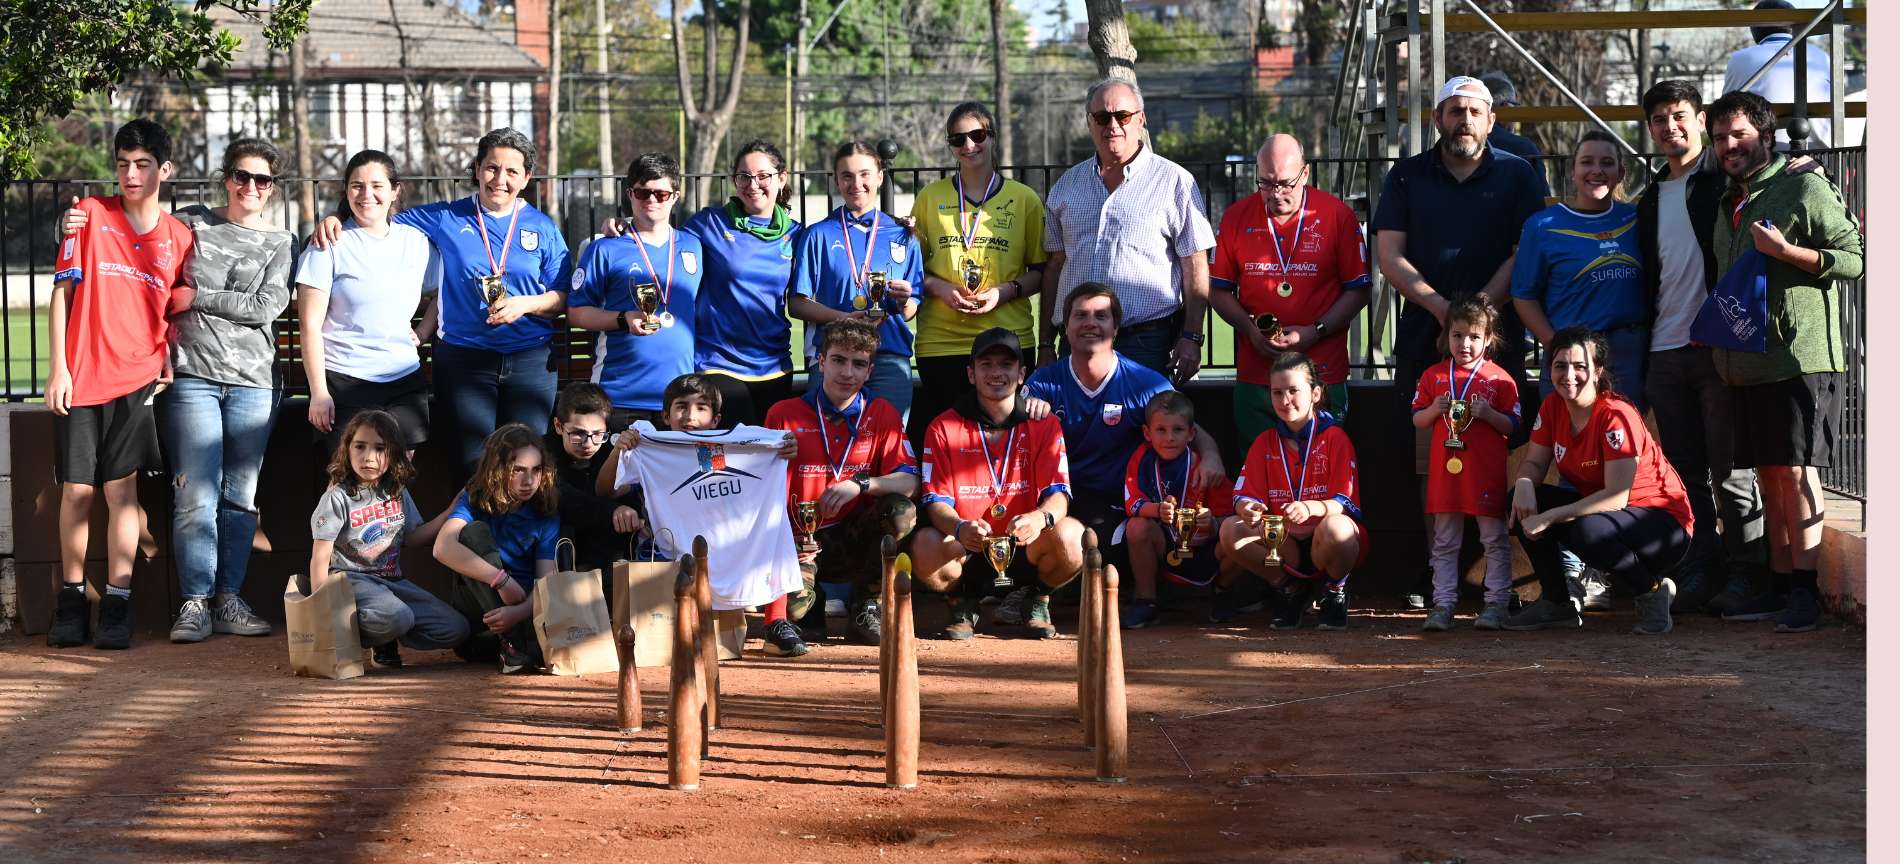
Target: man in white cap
<point>1447,227</point>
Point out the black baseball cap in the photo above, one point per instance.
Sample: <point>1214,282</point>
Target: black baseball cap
<point>994,338</point>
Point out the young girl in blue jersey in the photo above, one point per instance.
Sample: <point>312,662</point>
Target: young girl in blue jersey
<point>837,265</point>
<point>638,354</point>
<point>500,539</point>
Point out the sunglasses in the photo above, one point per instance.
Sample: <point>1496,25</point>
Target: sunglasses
<point>975,135</point>
<point>660,195</point>
<point>1121,118</point>
<point>239,177</point>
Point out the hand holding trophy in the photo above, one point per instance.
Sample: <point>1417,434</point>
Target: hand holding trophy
<point>647,294</point>
<point>1273,532</point>
<point>1184,521</point>
<point>806,516</point>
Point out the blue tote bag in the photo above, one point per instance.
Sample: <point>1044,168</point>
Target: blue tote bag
<point>1735,315</point>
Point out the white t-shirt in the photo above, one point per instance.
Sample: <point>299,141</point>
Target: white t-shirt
<point>1681,290</point>
<point>1778,85</point>
<point>375,285</point>
<point>729,485</point>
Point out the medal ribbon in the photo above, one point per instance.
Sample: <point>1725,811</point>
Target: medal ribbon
<point>1298,227</point>
<point>1457,393</point>
<point>1187,476</point>
<point>507,240</point>
<point>1312,425</point>
<point>666,288</point>
<point>996,483</point>
<point>858,276</point>
<point>989,189</point>
<point>824,436</point>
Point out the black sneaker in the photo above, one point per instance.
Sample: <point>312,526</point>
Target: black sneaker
<point>1223,609</point>
<point>866,627</point>
<point>1545,614</point>
<point>782,640</point>
<point>1696,587</point>
<point>515,661</point>
<point>1802,614</point>
<point>1290,607</point>
<point>72,615</point>
<point>115,623</point>
<point>1332,611</point>
<point>1761,607</point>
<point>387,655</point>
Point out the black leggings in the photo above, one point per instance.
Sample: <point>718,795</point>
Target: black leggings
<point>1634,545</point>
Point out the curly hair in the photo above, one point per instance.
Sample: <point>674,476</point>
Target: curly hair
<point>488,487</point>
<point>849,334</point>
<point>400,473</point>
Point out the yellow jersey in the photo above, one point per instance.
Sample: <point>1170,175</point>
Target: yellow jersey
<point>1007,242</point>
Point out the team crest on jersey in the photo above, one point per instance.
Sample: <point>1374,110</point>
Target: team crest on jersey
<point>1559,449</point>
<point>712,464</point>
<point>580,278</point>
<point>690,262</point>
<point>898,252</point>
<point>1614,438</point>
<point>1111,414</point>
<point>530,240</point>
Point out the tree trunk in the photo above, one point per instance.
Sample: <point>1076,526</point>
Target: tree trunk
<point>1108,40</point>
<point>300,142</point>
<point>707,125</point>
<point>998,29</point>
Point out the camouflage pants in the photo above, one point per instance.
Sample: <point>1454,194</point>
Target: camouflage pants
<point>849,552</point>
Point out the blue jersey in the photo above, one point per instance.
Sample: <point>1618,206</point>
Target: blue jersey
<point>821,270</point>
<point>1101,429</point>
<point>522,536</point>
<point>634,370</point>
<point>537,263</point>
<point>742,329</point>
<point>1583,268</point>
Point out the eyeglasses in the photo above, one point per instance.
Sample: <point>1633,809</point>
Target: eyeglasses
<point>660,195</point>
<point>759,179</point>
<point>520,471</point>
<point>1121,118</point>
<point>239,177</point>
<point>978,136</point>
<point>1282,185</point>
<point>582,436</point>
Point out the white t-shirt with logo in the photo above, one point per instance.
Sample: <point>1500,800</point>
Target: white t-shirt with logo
<point>375,286</point>
<point>1681,290</point>
<point>729,485</point>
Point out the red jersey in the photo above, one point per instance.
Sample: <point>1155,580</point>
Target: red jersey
<point>115,313</point>
<point>1614,431</point>
<point>957,471</point>
<point>1480,489</point>
<point>1328,256</point>
<point>1151,479</point>
<point>1330,468</point>
<point>865,438</point>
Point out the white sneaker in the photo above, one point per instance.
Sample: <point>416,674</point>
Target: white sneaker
<point>1596,591</point>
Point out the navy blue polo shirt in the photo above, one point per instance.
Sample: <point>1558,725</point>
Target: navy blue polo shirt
<point>1457,234</point>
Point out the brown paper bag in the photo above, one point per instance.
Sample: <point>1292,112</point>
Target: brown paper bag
<point>646,587</point>
<point>572,623</point>
<point>324,641</point>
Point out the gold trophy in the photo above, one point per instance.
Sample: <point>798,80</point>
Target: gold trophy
<point>1000,551</point>
<point>1184,519</point>
<point>876,283</point>
<point>807,526</point>
<point>1269,325</point>
<point>1273,530</point>
<point>492,290</point>
<point>1458,417</point>
<point>647,294</point>
<point>972,276</point>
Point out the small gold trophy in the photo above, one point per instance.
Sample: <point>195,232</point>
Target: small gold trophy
<point>1269,325</point>
<point>1273,530</point>
<point>647,294</point>
<point>972,276</point>
<point>1458,417</point>
<point>1184,519</point>
<point>876,283</point>
<point>1000,551</point>
<point>807,526</point>
<point>492,290</point>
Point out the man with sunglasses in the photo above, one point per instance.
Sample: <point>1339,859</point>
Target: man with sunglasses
<point>1294,253</point>
<point>1134,221</point>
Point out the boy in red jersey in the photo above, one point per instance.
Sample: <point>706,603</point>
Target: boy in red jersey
<point>855,463</point>
<point>116,282</point>
<point>991,473</point>
<point>1160,478</point>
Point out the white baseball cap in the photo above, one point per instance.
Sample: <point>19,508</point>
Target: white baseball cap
<point>1463,85</point>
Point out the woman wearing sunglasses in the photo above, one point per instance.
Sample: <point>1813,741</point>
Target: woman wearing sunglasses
<point>639,291</point>
<point>981,236</point>
<point>215,418</point>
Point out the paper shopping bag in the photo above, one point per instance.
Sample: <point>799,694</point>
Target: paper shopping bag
<point>324,641</point>
<point>572,623</point>
<point>644,590</point>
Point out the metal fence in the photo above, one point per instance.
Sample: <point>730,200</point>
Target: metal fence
<point>30,209</point>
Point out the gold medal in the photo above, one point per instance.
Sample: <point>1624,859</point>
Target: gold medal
<point>859,302</point>
<point>998,511</point>
<point>1455,465</point>
<point>1285,289</point>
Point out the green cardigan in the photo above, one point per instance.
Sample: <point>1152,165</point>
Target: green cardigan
<point>1804,311</point>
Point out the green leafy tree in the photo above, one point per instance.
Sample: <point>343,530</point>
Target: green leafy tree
<point>53,52</point>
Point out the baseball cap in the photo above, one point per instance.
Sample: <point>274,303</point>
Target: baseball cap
<point>1503,92</point>
<point>1462,85</point>
<point>994,338</point>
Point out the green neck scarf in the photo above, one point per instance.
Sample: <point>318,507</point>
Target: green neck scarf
<point>780,225</point>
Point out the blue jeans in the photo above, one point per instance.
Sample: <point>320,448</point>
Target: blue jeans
<point>889,381</point>
<point>400,609</point>
<point>215,435</point>
<point>477,392</point>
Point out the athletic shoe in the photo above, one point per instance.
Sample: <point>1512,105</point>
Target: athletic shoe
<point>1696,587</point>
<point>1803,613</point>
<point>1574,579</point>
<point>1290,607</point>
<point>1010,611</point>
<point>513,660</point>
<point>1332,611</point>
<point>115,623</point>
<point>1223,610</point>
<point>1139,614</point>
<point>234,616</point>
<point>1039,626</point>
<point>1439,620</point>
<point>961,626</point>
<point>194,622</point>
<point>387,655</point>
<point>866,628</point>
<point>782,640</point>
<point>1761,607</point>
<point>72,619</point>
<point>1421,590</point>
<point>1544,614</point>
<point>1731,595</point>
<point>1596,591</point>
<point>1492,618</point>
<point>1652,609</point>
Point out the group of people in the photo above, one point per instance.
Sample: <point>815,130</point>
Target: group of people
<point>694,350</point>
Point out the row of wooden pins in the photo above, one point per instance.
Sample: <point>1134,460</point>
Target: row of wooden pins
<point>897,671</point>
<point>1101,691</point>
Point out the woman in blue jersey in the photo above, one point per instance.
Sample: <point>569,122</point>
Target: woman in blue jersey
<point>504,279</point>
<point>640,352</point>
<point>1578,264</point>
<point>859,263</point>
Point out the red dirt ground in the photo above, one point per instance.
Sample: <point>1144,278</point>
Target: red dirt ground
<point>1717,743</point>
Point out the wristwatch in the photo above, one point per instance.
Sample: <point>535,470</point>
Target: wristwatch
<point>621,319</point>
<point>1196,338</point>
<point>1319,330</point>
<point>1048,520</point>
<point>864,485</point>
